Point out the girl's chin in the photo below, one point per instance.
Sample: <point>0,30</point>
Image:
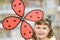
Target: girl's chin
<point>41,36</point>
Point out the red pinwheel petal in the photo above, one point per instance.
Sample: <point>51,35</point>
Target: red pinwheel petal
<point>10,22</point>
<point>26,30</point>
<point>34,15</point>
<point>18,7</point>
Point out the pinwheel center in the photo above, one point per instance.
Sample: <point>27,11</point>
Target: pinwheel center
<point>22,18</point>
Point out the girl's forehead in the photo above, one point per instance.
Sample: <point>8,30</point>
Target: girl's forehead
<point>41,26</point>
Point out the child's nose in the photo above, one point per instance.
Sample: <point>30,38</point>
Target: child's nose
<point>41,30</point>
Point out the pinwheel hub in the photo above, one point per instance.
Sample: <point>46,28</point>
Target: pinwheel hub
<point>22,18</point>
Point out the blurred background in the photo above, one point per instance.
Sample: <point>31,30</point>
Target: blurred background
<point>51,9</point>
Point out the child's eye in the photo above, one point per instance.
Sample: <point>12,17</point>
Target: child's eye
<point>38,27</point>
<point>44,28</point>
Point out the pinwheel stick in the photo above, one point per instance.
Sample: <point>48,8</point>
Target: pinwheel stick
<point>26,39</point>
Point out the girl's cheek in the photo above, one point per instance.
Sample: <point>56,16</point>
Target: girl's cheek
<point>46,30</point>
<point>37,30</point>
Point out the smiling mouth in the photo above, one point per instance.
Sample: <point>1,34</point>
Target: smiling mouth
<point>41,34</point>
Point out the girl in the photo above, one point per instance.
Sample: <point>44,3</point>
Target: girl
<point>43,30</point>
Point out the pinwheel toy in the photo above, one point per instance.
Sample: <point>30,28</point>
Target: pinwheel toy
<point>11,22</point>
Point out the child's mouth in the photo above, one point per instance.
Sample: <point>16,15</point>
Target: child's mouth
<point>41,33</point>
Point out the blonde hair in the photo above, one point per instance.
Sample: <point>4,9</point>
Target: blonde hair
<point>44,22</point>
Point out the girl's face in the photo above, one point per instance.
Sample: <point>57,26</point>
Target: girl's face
<point>41,30</point>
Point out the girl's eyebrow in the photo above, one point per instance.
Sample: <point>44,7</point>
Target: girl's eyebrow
<point>46,24</point>
<point>39,23</point>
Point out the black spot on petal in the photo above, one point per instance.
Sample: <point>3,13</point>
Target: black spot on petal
<point>25,26</point>
<point>19,11</point>
<point>9,25</point>
<point>6,20</point>
<point>24,33</point>
<point>14,20</point>
<point>38,17</point>
<point>29,31</point>
<point>14,5</point>
<point>30,16</point>
<point>19,3</point>
<point>36,12</point>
